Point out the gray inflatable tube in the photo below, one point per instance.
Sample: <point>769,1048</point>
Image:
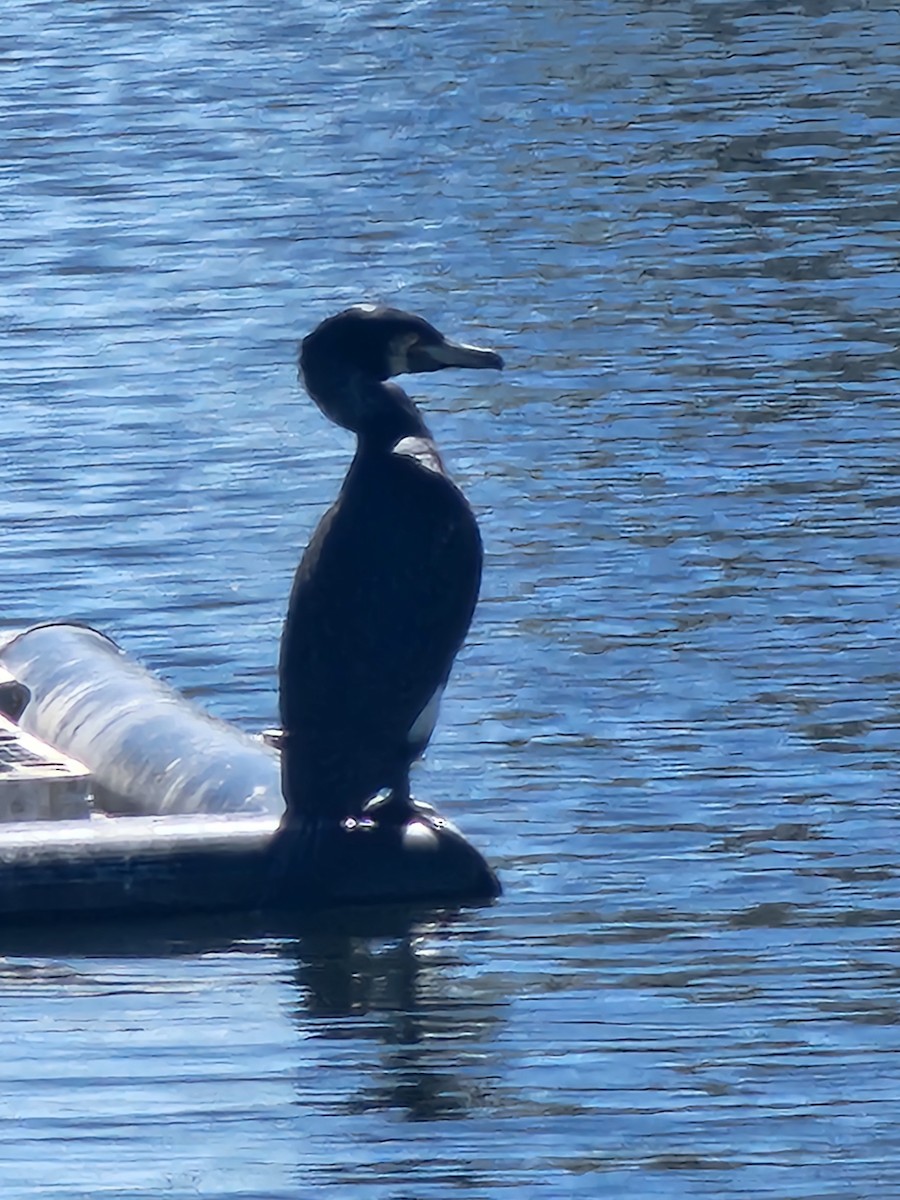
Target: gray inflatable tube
<point>187,813</point>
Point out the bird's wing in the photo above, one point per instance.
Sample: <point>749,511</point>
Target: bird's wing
<point>382,598</point>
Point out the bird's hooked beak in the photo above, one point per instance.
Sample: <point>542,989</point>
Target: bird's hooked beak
<point>434,356</point>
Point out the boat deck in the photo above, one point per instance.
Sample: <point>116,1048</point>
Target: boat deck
<point>37,782</point>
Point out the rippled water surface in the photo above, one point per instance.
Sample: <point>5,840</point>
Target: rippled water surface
<point>675,728</point>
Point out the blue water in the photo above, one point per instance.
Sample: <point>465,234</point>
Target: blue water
<point>675,726</point>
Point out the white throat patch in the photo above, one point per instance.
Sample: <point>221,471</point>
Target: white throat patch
<point>421,450</point>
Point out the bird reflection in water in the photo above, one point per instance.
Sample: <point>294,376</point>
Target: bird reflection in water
<point>424,1020</point>
<point>387,978</point>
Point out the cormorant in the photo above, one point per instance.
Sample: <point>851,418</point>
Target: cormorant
<point>383,596</point>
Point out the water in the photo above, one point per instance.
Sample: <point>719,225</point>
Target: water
<point>674,728</point>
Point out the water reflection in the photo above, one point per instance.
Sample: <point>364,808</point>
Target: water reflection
<point>403,989</point>
<point>386,979</point>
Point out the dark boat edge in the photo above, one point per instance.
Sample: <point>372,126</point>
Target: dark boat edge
<point>146,866</point>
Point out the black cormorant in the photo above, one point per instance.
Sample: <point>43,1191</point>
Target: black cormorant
<point>384,594</point>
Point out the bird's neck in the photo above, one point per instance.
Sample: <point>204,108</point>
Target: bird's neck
<point>389,416</point>
<point>379,413</point>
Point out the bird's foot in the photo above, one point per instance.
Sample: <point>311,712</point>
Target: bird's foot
<point>390,806</point>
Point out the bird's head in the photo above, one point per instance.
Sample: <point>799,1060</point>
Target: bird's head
<point>368,344</point>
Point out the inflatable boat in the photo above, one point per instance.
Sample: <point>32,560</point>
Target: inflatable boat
<point>120,797</point>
